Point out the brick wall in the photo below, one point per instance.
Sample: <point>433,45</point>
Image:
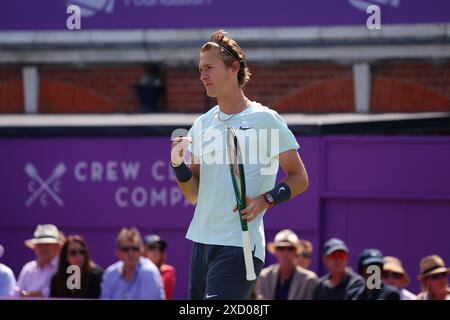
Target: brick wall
<point>89,89</point>
<point>11,89</point>
<point>410,86</point>
<point>308,87</point>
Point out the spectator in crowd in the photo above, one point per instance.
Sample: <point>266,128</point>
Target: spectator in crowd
<point>133,276</point>
<point>151,89</point>
<point>75,252</point>
<point>304,258</point>
<point>34,279</point>
<point>434,279</point>
<point>374,257</point>
<point>340,283</point>
<point>155,250</point>
<point>395,275</point>
<point>285,280</point>
<point>7,278</point>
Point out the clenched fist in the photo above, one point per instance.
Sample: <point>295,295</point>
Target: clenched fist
<point>179,149</point>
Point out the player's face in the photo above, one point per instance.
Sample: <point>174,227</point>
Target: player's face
<point>286,255</point>
<point>337,261</point>
<point>155,255</point>
<point>215,76</point>
<point>76,254</point>
<point>393,278</point>
<point>45,252</point>
<point>129,252</point>
<point>437,282</point>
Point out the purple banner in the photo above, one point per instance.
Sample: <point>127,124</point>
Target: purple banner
<point>119,181</point>
<point>154,14</point>
<point>391,193</point>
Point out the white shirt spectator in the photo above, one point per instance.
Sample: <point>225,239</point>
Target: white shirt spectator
<point>34,278</point>
<point>407,295</point>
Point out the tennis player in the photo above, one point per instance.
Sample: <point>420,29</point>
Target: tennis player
<point>217,268</point>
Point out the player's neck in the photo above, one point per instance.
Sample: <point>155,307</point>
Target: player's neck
<point>286,271</point>
<point>232,103</point>
<point>337,277</point>
<point>128,272</point>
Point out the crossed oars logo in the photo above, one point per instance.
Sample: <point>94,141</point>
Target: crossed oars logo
<point>44,186</point>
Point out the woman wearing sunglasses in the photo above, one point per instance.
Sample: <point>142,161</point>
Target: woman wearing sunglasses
<point>75,253</point>
<point>395,275</point>
<point>434,279</point>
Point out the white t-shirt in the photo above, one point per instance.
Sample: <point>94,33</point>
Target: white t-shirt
<point>262,135</point>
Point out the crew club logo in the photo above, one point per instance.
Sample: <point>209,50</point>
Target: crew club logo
<point>44,191</point>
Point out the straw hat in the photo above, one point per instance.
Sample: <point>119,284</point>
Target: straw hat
<point>284,238</point>
<point>431,265</point>
<point>45,233</point>
<point>394,264</point>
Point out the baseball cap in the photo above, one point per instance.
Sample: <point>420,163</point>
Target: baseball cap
<point>333,245</point>
<point>153,240</point>
<point>370,256</point>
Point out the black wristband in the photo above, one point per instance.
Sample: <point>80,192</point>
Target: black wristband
<point>182,172</point>
<point>281,193</point>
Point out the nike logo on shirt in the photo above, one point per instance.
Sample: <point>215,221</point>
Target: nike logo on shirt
<point>210,296</point>
<point>244,128</point>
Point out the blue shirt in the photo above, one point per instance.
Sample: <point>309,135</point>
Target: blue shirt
<point>145,285</point>
<point>262,135</point>
<point>7,281</point>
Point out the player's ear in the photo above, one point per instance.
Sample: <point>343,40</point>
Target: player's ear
<point>235,66</point>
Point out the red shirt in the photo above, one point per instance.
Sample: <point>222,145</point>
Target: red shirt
<point>168,278</point>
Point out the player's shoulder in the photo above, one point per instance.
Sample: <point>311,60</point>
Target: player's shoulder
<point>207,116</point>
<point>267,271</point>
<point>147,266</point>
<point>308,274</point>
<point>114,268</point>
<point>30,266</point>
<point>264,113</point>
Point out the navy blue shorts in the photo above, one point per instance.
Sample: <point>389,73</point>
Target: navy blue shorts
<point>218,273</point>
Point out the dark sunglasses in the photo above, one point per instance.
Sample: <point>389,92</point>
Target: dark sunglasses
<point>74,253</point>
<point>438,276</point>
<point>306,255</point>
<point>130,248</point>
<point>289,248</point>
<point>154,248</point>
<point>392,275</point>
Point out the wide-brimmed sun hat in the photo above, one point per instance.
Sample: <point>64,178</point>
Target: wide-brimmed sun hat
<point>44,233</point>
<point>431,265</point>
<point>284,238</point>
<point>394,264</point>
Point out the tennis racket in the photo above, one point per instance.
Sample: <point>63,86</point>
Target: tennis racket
<point>238,179</point>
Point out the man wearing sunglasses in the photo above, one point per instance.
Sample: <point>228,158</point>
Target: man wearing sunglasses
<point>285,280</point>
<point>133,277</point>
<point>341,283</point>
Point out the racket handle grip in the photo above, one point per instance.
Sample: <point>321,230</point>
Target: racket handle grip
<point>248,257</point>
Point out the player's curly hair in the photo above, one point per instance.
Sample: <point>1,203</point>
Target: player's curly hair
<point>229,53</point>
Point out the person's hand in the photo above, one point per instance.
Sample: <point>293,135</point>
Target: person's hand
<point>254,207</point>
<point>179,149</point>
<point>444,294</point>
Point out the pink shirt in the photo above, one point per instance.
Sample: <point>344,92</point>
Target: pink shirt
<point>33,278</point>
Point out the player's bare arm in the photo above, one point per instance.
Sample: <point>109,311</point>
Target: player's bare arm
<point>296,179</point>
<point>190,186</point>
